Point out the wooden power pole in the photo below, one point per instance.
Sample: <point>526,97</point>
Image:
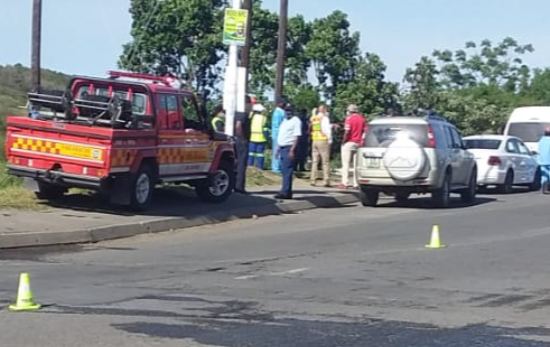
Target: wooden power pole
<point>245,54</point>
<point>281,49</point>
<point>36,40</point>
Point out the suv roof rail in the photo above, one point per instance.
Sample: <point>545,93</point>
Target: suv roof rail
<point>166,80</point>
<point>436,117</point>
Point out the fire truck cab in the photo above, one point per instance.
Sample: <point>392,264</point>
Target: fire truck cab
<point>120,136</point>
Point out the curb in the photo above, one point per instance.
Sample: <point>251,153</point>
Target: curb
<point>112,232</point>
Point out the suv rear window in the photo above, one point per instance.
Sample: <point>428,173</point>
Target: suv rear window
<point>482,144</point>
<point>382,135</point>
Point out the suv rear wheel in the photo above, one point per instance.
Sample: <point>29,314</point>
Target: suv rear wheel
<point>441,197</point>
<point>219,185</point>
<point>468,195</point>
<point>369,197</point>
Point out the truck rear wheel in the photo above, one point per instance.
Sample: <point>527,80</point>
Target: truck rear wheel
<point>219,185</point>
<point>141,189</point>
<point>48,191</point>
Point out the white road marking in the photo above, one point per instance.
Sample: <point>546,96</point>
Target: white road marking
<point>282,273</point>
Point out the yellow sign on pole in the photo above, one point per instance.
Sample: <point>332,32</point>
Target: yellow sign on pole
<point>234,27</point>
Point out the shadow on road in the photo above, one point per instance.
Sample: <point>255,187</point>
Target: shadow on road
<point>237,323</point>
<point>426,203</point>
<point>182,202</point>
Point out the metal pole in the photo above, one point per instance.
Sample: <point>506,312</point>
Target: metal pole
<point>230,99</point>
<point>281,49</point>
<point>36,40</point>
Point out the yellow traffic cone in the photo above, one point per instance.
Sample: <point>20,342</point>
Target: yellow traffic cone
<point>435,241</point>
<point>25,301</point>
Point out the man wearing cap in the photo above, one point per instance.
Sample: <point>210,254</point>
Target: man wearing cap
<point>258,136</point>
<point>287,141</point>
<point>354,129</point>
<point>276,119</point>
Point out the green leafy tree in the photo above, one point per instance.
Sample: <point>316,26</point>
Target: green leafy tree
<point>333,50</point>
<point>175,36</point>
<point>366,87</point>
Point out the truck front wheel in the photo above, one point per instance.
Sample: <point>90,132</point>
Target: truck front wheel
<point>219,185</point>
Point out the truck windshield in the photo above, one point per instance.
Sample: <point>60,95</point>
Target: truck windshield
<point>139,101</point>
<point>528,132</point>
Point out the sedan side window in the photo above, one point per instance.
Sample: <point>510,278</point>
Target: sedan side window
<point>511,147</point>
<point>523,149</point>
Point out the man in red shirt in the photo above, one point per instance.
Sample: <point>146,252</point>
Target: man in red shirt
<point>354,130</point>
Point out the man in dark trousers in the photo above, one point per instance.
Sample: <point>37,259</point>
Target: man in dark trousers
<point>303,143</point>
<point>287,142</point>
<point>242,138</point>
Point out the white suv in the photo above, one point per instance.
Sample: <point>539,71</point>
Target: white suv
<point>405,155</point>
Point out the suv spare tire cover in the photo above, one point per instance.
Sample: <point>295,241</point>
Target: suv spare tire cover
<point>404,159</point>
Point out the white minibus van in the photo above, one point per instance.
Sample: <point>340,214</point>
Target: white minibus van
<point>528,123</point>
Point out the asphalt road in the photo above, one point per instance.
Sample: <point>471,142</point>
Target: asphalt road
<point>334,277</point>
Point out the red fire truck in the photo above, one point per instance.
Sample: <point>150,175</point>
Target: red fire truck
<point>121,136</point>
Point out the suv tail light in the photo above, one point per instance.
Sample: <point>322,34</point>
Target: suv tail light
<point>494,161</point>
<point>431,137</point>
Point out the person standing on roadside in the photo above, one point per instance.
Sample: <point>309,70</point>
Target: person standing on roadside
<point>544,160</point>
<point>303,144</point>
<point>287,142</point>
<point>354,129</point>
<point>276,119</point>
<point>242,138</point>
<point>258,136</point>
<point>321,137</point>
<point>218,119</point>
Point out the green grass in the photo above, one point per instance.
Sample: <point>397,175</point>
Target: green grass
<point>14,196</point>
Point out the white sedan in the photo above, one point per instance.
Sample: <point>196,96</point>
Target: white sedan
<point>504,162</point>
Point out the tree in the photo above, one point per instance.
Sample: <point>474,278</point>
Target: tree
<point>332,49</point>
<point>366,87</point>
<point>484,63</point>
<point>422,85</point>
<point>539,87</point>
<point>181,37</point>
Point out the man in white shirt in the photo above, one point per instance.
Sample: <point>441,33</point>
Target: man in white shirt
<point>290,131</point>
<point>321,140</point>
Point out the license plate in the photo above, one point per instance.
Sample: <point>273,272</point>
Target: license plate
<point>373,163</point>
<point>79,151</point>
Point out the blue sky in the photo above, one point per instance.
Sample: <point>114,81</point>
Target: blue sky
<point>85,37</point>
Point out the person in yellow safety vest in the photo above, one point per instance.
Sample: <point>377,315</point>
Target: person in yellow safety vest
<point>218,119</point>
<point>259,133</point>
<point>321,140</point>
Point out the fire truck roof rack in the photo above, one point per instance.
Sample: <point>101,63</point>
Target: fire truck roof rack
<point>166,80</point>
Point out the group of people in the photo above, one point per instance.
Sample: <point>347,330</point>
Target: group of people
<point>292,134</point>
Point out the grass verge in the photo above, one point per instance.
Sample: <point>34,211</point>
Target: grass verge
<point>13,195</point>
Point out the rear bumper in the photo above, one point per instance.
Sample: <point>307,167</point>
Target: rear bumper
<point>491,177</point>
<point>58,177</point>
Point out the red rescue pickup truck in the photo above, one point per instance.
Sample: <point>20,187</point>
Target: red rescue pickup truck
<point>120,135</point>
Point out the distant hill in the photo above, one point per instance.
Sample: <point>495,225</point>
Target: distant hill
<point>15,81</point>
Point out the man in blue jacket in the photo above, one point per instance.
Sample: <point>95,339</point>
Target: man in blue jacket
<point>277,118</point>
<point>544,159</point>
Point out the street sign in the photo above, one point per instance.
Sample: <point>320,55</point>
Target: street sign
<point>234,27</point>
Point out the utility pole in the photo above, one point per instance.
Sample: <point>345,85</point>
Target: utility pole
<point>36,40</point>
<point>245,53</point>
<point>281,49</point>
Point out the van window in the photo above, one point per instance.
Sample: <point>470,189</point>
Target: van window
<point>382,135</point>
<point>528,132</point>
